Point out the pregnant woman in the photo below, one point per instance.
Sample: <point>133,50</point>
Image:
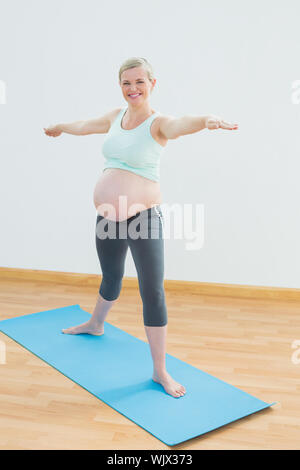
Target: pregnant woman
<point>128,192</point>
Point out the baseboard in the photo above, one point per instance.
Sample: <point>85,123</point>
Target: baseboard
<point>176,287</point>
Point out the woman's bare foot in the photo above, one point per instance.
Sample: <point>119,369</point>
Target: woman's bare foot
<point>88,327</point>
<point>170,385</point>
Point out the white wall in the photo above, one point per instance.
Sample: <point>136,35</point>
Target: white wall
<point>60,63</point>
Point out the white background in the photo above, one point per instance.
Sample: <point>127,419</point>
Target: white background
<point>236,59</point>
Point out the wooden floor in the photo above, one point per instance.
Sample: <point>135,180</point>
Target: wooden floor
<point>245,342</point>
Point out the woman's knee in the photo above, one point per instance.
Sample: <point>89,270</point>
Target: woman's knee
<point>154,307</point>
<point>110,287</point>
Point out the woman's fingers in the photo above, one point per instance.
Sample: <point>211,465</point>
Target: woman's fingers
<point>216,123</point>
<point>227,125</point>
<point>52,131</point>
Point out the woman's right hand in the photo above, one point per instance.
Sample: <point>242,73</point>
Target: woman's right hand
<point>53,131</point>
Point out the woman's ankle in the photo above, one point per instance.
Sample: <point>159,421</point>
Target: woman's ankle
<point>160,372</point>
<point>96,323</point>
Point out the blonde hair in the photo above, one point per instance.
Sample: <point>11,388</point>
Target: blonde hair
<point>137,62</point>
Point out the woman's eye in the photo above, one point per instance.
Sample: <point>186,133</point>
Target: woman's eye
<point>137,82</point>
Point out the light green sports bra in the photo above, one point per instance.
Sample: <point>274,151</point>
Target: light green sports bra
<point>133,150</point>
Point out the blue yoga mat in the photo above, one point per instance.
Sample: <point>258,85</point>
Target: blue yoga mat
<point>117,368</point>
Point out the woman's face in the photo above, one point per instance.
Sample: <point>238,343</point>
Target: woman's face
<point>136,82</point>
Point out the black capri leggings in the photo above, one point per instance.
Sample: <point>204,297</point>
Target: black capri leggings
<point>143,233</point>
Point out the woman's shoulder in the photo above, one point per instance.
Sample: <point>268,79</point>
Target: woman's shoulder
<point>159,124</point>
<point>116,111</point>
<point>163,123</point>
<point>161,117</point>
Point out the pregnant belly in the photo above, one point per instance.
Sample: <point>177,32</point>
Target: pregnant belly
<point>120,194</point>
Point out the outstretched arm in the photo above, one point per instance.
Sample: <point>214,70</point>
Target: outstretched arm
<point>172,128</point>
<point>100,125</point>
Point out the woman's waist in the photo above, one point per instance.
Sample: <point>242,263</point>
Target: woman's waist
<point>132,201</point>
<point>124,208</point>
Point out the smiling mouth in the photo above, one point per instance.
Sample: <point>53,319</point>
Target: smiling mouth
<point>134,95</point>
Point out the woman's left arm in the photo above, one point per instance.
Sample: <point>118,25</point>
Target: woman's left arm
<point>172,128</point>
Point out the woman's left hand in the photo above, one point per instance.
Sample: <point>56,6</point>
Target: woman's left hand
<point>215,122</point>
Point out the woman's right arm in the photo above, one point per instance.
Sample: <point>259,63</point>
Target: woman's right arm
<point>99,125</point>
